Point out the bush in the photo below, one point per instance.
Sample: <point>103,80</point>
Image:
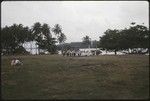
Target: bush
<point>21,50</point>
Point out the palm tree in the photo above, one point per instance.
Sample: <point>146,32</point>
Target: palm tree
<point>48,42</point>
<point>36,30</point>
<point>86,40</point>
<point>46,30</point>
<point>57,30</point>
<point>61,38</point>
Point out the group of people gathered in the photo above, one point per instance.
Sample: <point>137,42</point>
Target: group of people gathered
<point>71,53</point>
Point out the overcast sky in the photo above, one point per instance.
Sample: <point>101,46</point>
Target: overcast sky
<point>77,18</point>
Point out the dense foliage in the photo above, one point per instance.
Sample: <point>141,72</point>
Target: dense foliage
<point>136,36</point>
<point>13,38</point>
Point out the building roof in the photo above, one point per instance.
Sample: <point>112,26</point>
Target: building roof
<point>78,45</point>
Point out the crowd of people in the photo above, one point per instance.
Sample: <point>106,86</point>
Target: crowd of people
<point>71,53</point>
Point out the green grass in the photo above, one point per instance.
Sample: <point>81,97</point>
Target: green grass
<point>58,77</point>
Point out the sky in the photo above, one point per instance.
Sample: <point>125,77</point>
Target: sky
<point>77,18</point>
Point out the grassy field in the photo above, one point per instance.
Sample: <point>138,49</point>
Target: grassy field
<point>58,77</point>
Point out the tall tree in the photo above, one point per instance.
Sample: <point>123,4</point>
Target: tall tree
<point>134,37</point>
<point>86,40</point>
<point>43,37</point>
<point>47,43</point>
<point>137,36</point>
<point>58,32</point>
<point>37,33</point>
<point>110,40</point>
<point>61,37</point>
<point>13,38</point>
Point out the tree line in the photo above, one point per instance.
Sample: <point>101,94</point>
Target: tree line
<point>136,36</point>
<point>13,37</point>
